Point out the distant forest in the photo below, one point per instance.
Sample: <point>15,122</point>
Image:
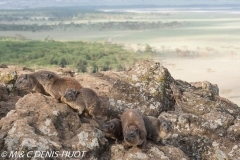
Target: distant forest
<point>62,13</point>
<point>84,56</point>
<point>74,18</point>
<point>95,26</point>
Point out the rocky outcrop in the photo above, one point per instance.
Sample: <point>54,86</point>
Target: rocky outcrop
<point>205,125</point>
<point>40,123</point>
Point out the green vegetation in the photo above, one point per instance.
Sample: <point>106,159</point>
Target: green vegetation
<point>84,56</point>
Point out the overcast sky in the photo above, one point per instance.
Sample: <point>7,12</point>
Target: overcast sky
<point>157,2</point>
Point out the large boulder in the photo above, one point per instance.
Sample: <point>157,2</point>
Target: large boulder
<point>146,87</point>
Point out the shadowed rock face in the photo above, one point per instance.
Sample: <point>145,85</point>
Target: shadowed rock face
<point>205,125</point>
<point>7,102</point>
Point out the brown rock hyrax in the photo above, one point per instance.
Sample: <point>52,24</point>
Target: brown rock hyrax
<point>56,86</point>
<point>157,129</point>
<point>29,83</point>
<point>85,100</point>
<point>113,129</point>
<point>134,130</point>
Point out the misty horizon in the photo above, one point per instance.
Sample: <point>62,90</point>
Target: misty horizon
<point>23,4</point>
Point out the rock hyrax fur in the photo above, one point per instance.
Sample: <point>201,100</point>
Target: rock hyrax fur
<point>30,83</point>
<point>85,100</point>
<point>56,86</point>
<point>157,129</point>
<point>134,130</point>
<point>113,129</point>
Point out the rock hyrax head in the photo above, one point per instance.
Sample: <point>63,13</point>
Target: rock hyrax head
<point>46,78</point>
<point>23,82</point>
<point>71,94</point>
<point>113,129</point>
<point>166,125</point>
<point>108,126</point>
<point>132,135</point>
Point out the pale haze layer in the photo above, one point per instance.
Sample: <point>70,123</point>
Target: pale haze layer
<point>6,4</point>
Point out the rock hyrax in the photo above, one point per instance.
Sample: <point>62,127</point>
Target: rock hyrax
<point>134,130</point>
<point>84,100</point>
<point>56,86</point>
<point>113,129</point>
<point>157,129</point>
<point>29,83</point>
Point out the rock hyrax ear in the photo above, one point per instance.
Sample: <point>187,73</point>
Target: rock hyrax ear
<point>111,126</point>
<point>76,92</point>
<point>50,75</point>
<point>26,76</point>
<point>137,130</point>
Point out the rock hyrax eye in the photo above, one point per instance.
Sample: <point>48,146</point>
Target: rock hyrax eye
<point>112,126</point>
<point>137,130</point>
<point>50,76</point>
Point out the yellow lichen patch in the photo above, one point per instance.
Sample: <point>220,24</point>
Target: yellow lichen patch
<point>8,78</point>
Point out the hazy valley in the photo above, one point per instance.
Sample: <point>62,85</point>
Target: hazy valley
<point>196,45</point>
